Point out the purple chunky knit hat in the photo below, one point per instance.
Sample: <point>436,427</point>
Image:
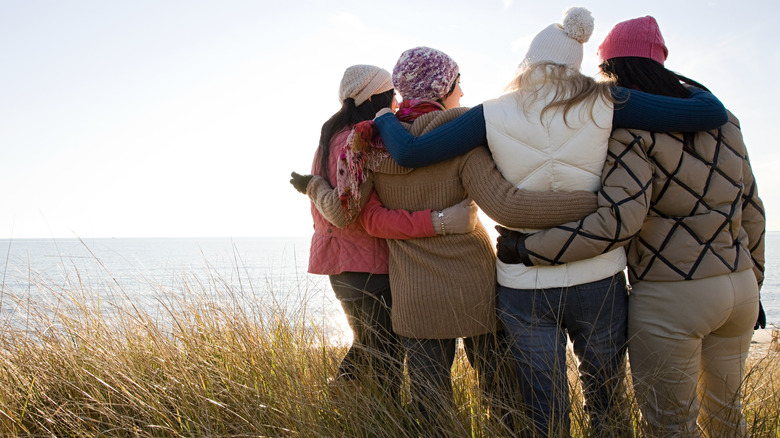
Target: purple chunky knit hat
<point>424,73</point>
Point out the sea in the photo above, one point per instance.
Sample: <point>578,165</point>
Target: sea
<point>150,273</point>
<point>158,277</point>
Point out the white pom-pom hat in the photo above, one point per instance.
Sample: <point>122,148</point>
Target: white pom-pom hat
<point>562,44</point>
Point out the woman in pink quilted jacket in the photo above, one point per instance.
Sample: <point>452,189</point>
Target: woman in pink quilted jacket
<point>355,262</point>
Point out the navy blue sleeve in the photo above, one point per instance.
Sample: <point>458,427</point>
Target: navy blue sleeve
<point>447,141</point>
<point>701,111</point>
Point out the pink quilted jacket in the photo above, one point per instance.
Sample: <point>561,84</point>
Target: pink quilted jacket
<point>336,250</point>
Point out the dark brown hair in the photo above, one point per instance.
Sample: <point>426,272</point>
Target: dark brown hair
<point>647,75</point>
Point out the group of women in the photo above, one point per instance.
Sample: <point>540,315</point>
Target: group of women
<point>675,203</point>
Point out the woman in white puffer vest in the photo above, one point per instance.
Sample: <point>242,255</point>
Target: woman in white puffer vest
<point>550,133</point>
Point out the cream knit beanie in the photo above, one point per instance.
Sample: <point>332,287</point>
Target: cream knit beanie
<point>562,44</point>
<point>362,81</point>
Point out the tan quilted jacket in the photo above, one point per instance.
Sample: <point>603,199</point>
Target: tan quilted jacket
<point>687,206</point>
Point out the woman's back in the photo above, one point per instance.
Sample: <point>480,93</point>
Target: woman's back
<point>335,250</point>
<point>443,287</point>
<point>551,150</point>
<point>694,227</point>
<point>542,151</point>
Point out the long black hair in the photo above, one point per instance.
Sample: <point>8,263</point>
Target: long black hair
<point>346,117</point>
<point>645,74</point>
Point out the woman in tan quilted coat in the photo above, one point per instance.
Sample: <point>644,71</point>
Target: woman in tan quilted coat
<point>687,207</point>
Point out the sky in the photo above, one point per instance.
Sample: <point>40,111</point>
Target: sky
<point>185,118</point>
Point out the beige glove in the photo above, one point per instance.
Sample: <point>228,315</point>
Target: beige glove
<point>461,218</point>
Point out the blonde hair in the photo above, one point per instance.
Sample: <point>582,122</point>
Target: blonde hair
<point>570,87</point>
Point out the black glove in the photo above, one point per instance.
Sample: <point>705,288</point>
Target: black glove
<point>511,247</point>
<point>761,322</point>
<point>300,181</point>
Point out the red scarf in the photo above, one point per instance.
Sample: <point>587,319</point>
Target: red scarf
<point>364,149</point>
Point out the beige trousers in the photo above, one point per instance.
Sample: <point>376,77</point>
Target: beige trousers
<point>688,342</point>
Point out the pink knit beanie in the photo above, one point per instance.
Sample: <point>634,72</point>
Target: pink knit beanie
<point>424,73</point>
<point>639,37</point>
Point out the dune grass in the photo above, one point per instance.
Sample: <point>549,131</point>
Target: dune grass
<point>215,361</point>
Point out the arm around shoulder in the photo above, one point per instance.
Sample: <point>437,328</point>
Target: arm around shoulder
<point>446,141</point>
<point>700,111</point>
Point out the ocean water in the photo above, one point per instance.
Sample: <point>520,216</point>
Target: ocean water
<point>770,291</point>
<point>269,273</point>
<point>266,275</point>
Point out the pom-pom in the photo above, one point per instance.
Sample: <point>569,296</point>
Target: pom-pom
<point>578,24</point>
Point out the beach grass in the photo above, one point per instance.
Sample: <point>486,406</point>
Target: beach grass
<point>215,360</point>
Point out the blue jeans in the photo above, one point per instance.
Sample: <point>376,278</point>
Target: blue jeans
<point>537,322</point>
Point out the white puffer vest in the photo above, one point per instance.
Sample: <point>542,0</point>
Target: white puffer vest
<point>551,156</point>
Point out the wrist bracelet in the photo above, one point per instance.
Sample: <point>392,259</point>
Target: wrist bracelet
<point>441,218</point>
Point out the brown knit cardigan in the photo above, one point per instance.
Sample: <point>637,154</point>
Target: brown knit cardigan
<point>444,287</point>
